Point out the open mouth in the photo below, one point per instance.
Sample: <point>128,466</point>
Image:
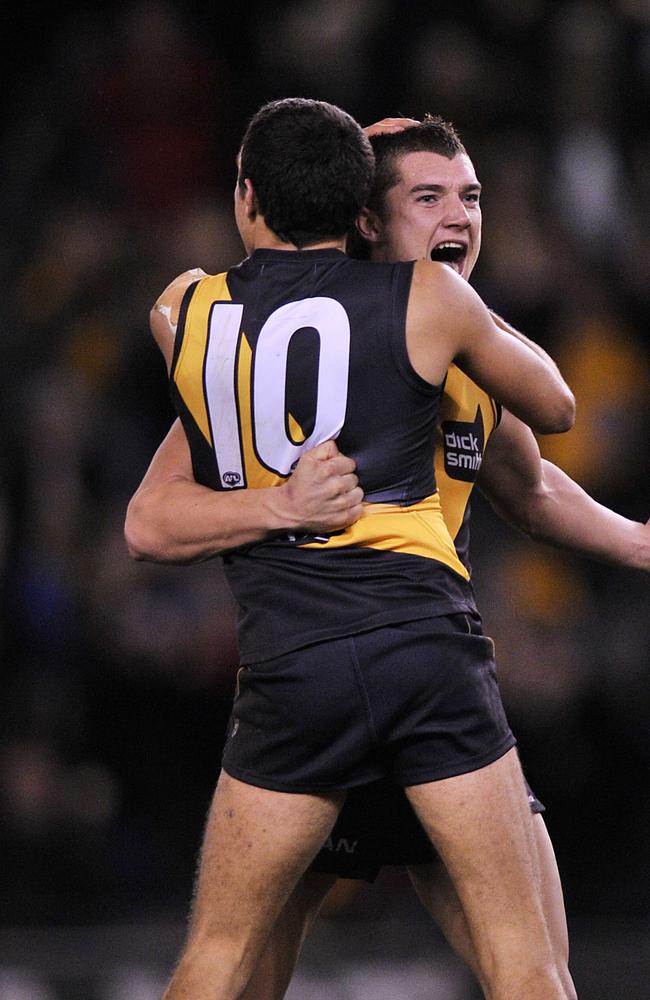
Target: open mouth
<point>451,253</point>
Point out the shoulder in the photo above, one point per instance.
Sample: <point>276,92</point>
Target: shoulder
<point>440,298</point>
<point>435,288</point>
<point>163,318</point>
<point>432,276</point>
<point>169,301</point>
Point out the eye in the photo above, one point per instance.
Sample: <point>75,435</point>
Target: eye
<point>427,199</point>
<point>473,197</point>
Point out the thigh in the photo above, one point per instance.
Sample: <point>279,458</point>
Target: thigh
<point>257,844</point>
<point>481,824</point>
<point>438,894</point>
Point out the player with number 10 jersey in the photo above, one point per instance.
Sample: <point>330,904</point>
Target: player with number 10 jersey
<point>276,355</point>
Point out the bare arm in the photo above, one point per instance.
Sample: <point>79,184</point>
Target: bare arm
<point>544,502</point>
<point>507,328</point>
<point>171,518</point>
<point>448,321</point>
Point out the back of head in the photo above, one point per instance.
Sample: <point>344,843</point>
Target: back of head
<point>311,168</point>
<point>431,135</point>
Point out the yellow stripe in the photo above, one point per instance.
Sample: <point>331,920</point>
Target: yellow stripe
<point>418,530</point>
<point>192,353</point>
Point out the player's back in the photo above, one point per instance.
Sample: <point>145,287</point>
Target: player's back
<point>300,347</point>
<point>276,355</point>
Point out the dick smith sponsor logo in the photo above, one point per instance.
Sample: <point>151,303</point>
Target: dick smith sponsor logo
<point>463,447</point>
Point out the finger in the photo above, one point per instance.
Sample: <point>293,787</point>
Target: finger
<point>400,123</point>
<point>350,515</point>
<point>340,465</point>
<point>355,498</point>
<point>348,484</point>
<point>342,502</point>
<point>390,125</point>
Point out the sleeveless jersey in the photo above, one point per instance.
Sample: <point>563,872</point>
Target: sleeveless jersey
<point>467,418</point>
<point>274,356</point>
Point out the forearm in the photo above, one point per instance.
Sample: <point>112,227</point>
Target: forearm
<point>180,521</point>
<point>172,518</point>
<point>561,513</point>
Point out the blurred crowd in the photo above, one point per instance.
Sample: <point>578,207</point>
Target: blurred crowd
<point>123,123</point>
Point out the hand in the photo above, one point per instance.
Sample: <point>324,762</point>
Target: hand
<point>323,493</point>
<point>389,125</point>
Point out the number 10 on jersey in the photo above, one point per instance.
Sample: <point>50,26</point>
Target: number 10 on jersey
<point>246,388</point>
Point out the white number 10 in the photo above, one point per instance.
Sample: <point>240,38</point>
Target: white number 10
<point>268,383</point>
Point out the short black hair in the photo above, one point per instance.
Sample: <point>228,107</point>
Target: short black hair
<point>311,168</point>
<point>432,135</point>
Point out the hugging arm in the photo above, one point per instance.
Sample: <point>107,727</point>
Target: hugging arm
<point>172,518</point>
<point>540,499</point>
<point>447,321</point>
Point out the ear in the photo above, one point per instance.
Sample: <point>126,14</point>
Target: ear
<point>370,226</point>
<point>247,194</point>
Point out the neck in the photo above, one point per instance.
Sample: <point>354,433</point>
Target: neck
<point>264,238</point>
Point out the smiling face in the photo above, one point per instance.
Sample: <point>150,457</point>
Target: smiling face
<point>432,213</point>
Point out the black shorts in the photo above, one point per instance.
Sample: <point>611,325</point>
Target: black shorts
<point>378,827</point>
<point>413,702</point>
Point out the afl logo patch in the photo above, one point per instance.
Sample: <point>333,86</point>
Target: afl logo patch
<point>231,479</point>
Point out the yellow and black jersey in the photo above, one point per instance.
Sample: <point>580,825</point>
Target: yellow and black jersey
<point>274,356</point>
<point>467,418</point>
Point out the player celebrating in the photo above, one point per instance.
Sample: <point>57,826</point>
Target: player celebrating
<point>259,838</point>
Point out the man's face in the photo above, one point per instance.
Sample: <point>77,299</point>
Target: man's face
<point>432,213</point>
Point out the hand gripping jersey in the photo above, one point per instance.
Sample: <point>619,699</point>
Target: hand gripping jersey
<point>274,356</point>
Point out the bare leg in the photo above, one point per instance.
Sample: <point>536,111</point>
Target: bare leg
<point>553,903</point>
<point>276,966</point>
<point>438,894</point>
<point>482,827</point>
<point>257,844</point>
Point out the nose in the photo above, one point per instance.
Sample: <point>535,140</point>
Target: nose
<point>456,215</point>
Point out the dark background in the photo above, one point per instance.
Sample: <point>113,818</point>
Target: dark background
<point>121,129</point>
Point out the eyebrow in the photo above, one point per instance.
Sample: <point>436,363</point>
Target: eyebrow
<point>439,188</point>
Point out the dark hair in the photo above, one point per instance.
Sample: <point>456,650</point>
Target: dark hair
<point>432,135</point>
<point>311,168</point>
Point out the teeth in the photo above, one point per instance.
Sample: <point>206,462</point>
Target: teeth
<point>450,245</point>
